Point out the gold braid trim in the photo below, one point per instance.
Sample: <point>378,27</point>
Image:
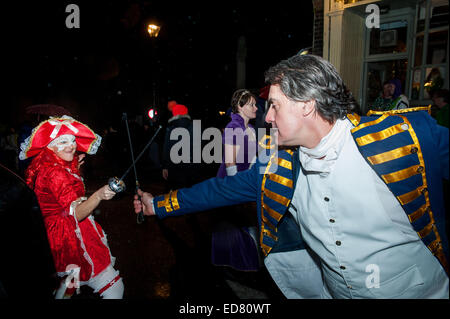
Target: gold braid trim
<point>418,213</point>
<point>381,135</point>
<point>281,180</point>
<point>401,111</point>
<point>438,252</point>
<point>401,174</point>
<point>166,203</point>
<point>391,155</point>
<point>265,249</point>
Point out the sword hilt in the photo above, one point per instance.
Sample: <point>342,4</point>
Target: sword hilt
<point>140,216</point>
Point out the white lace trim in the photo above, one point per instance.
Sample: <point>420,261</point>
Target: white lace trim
<point>73,174</point>
<point>24,146</point>
<point>95,145</point>
<point>103,238</point>
<point>73,205</point>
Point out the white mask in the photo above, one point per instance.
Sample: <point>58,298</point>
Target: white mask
<point>63,141</point>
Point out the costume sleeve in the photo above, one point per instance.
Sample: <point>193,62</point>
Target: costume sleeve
<point>66,190</point>
<point>234,135</point>
<point>212,193</point>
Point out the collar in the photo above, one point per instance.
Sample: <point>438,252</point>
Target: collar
<point>321,158</point>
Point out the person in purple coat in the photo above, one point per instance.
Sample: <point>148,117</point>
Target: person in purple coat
<point>233,241</point>
<point>239,136</point>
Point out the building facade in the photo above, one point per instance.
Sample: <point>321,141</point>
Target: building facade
<point>372,41</point>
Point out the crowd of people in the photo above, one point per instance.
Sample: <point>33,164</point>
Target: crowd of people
<point>347,206</point>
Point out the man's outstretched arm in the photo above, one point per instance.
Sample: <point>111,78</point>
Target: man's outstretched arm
<point>209,194</point>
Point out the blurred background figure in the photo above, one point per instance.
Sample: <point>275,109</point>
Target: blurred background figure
<point>178,175</point>
<point>10,149</point>
<point>235,238</point>
<point>440,102</point>
<point>391,98</point>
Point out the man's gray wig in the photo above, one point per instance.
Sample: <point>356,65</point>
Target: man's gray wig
<point>308,77</point>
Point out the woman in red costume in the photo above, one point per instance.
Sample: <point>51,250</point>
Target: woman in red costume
<point>79,245</point>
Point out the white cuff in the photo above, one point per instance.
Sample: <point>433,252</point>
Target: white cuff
<point>75,203</point>
<point>231,170</point>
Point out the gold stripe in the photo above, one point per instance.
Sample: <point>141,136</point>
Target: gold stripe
<point>409,197</point>
<point>266,221</point>
<point>392,112</point>
<point>281,180</point>
<point>165,203</point>
<point>277,197</point>
<point>426,230</point>
<point>263,184</point>
<point>284,163</point>
<point>272,213</point>
<point>361,126</point>
<point>267,145</point>
<point>418,213</point>
<point>266,249</point>
<point>290,152</point>
<point>390,155</point>
<point>434,246</point>
<point>174,200</point>
<point>381,135</point>
<point>400,175</point>
<point>268,233</point>
<point>354,118</point>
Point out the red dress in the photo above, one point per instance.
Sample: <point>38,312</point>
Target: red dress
<point>59,188</point>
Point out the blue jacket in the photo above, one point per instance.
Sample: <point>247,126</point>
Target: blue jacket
<point>406,148</point>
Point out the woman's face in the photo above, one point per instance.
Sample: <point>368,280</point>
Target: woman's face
<point>64,147</point>
<point>249,109</point>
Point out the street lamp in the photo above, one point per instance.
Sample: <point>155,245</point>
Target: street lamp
<point>153,30</point>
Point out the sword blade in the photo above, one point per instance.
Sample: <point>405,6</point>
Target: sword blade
<point>141,153</point>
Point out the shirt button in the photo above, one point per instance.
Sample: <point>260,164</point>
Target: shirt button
<point>342,267</point>
<point>349,287</point>
<point>338,242</point>
<point>326,199</point>
<point>332,220</point>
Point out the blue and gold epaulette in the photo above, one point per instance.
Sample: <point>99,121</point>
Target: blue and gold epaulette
<point>276,193</point>
<point>390,145</point>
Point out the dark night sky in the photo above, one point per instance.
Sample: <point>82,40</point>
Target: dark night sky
<point>193,60</point>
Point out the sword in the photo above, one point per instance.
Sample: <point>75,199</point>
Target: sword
<point>117,185</point>
<point>140,216</point>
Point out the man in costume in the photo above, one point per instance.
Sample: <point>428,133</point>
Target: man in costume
<point>355,210</point>
<point>79,246</point>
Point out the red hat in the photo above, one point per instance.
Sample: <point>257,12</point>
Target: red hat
<point>47,131</point>
<point>179,109</point>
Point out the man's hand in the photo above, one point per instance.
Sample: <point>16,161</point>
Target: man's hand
<point>145,204</point>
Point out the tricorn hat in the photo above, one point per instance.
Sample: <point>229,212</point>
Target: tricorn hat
<point>87,141</point>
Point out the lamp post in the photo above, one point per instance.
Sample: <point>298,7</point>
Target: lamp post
<point>153,32</point>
